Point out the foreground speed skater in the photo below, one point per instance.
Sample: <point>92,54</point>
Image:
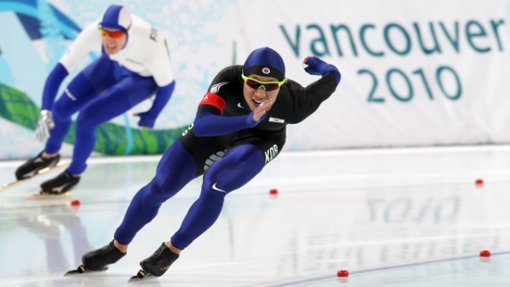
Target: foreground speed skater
<point>134,64</point>
<point>240,127</point>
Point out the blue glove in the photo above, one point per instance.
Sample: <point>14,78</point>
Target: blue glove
<point>316,66</point>
<point>145,121</point>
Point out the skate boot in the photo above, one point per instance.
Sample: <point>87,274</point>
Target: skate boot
<point>34,165</point>
<point>60,184</point>
<point>99,259</point>
<point>157,263</point>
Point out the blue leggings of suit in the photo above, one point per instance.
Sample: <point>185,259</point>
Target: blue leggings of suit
<point>100,92</point>
<point>177,167</point>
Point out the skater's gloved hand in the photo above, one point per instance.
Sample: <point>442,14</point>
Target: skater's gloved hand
<point>316,66</point>
<point>45,123</point>
<point>145,122</point>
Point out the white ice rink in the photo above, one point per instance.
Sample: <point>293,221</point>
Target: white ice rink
<point>395,217</point>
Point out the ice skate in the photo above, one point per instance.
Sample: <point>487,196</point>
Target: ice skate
<point>156,264</point>
<point>36,165</point>
<point>60,184</point>
<point>27,171</point>
<point>99,259</point>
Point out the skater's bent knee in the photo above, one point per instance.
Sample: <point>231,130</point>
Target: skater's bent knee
<point>86,120</point>
<point>158,191</point>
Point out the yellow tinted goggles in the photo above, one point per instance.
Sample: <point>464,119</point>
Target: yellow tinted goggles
<point>266,86</point>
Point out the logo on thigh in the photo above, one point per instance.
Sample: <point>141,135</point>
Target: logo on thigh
<point>186,131</point>
<point>271,153</point>
<point>69,95</point>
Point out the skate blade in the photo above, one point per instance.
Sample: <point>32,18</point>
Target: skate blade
<point>141,275</point>
<point>42,171</point>
<point>81,270</point>
<point>11,184</point>
<point>45,195</point>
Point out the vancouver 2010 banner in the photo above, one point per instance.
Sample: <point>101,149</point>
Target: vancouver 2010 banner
<point>414,73</point>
